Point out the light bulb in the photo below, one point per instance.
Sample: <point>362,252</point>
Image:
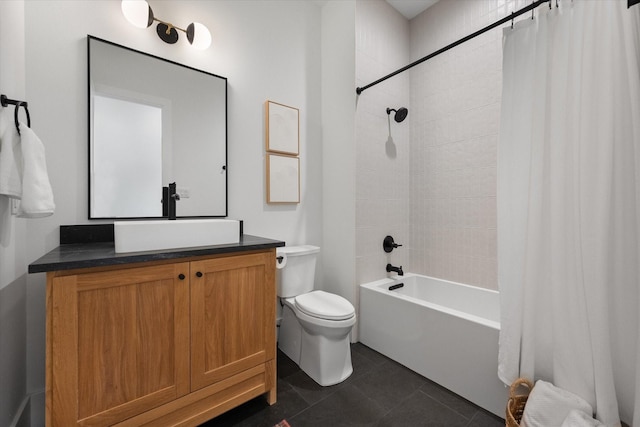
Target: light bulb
<point>137,12</point>
<point>198,35</point>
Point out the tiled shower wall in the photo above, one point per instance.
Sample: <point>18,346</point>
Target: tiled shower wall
<point>435,192</point>
<point>382,146</point>
<point>455,99</point>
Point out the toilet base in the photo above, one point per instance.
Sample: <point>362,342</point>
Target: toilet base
<point>326,361</point>
<point>322,353</point>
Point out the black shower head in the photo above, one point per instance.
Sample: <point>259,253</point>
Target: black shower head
<point>401,113</point>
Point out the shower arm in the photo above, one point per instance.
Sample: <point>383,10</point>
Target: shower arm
<point>513,15</point>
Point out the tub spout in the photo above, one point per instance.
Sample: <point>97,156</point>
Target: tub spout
<point>398,270</point>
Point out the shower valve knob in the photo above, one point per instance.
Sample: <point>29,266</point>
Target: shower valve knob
<point>388,244</point>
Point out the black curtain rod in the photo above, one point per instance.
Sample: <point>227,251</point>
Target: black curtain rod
<point>513,15</point>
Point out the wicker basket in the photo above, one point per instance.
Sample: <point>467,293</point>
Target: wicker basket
<point>516,402</point>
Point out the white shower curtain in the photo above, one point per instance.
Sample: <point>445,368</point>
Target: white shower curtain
<point>569,204</point>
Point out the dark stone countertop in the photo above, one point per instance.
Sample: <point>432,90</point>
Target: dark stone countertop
<point>87,255</point>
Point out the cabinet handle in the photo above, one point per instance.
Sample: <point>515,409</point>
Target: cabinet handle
<point>199,274</point>
<point>181,276</point>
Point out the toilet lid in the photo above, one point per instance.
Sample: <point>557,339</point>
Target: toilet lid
<point>325,305</point>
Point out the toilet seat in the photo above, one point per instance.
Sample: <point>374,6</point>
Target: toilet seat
<point>324,305</point>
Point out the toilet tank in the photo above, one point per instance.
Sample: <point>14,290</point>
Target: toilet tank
<point>296,274</point>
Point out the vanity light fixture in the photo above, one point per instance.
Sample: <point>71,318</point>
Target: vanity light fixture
<point>139,13</point>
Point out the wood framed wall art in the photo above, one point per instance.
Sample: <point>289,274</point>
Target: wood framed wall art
<point>283,178</point>
<point>283,128</point>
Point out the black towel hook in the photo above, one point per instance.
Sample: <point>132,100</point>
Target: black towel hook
<point>4,101</point>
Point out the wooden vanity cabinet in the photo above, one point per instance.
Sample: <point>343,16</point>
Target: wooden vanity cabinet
<point>160,344</point>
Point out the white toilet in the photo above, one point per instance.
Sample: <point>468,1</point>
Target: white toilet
<point>315,327</point>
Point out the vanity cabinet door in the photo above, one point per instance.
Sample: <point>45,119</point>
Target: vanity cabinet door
<point>119,343</point>
<point>233,303</point>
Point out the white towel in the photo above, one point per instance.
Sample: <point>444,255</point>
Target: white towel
<point>10,156</point>
<point>548,406</point>
<point>37,196</point>
<point>580,419</point>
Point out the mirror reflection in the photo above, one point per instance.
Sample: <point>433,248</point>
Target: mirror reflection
<point>153,122</point>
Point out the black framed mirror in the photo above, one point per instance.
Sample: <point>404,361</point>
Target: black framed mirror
<point>153,122</point>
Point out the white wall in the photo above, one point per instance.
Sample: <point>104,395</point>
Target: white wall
<point>267,50</point>
<point>13,232</point>
<point>338,149</point>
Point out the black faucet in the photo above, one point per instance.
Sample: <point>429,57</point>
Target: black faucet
<point>173,197</point>
<point>398,270</point>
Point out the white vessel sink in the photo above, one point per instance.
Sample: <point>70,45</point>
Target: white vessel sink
<point>133,236</point>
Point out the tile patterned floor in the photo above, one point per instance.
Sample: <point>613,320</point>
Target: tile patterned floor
<point>380,392</point>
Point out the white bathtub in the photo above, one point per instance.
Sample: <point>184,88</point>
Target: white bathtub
<point>445,331</point>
